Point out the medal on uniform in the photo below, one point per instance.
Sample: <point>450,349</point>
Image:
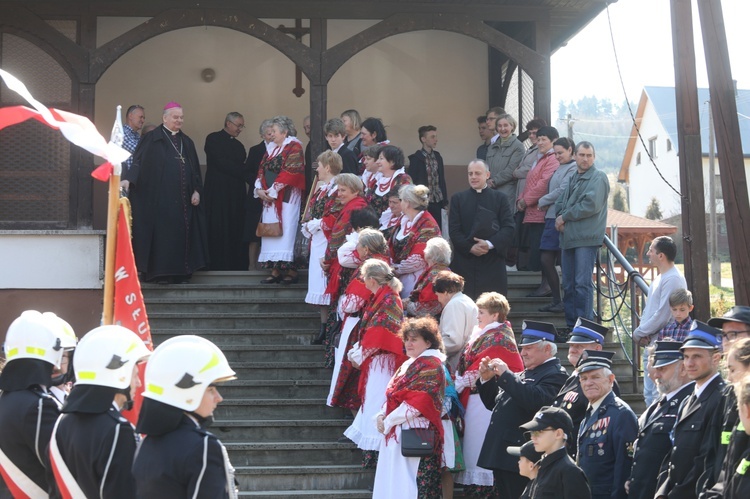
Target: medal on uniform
<point>569,405</point>
<point>599,433</point>
<point>601,449</point>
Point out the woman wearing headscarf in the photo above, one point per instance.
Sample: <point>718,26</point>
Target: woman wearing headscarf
<point>377,353</point>
<point>423,300</point>
<point>409,240</point>
<point>280,183</point>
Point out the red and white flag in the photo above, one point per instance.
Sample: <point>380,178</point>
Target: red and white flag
<point>129,307</point>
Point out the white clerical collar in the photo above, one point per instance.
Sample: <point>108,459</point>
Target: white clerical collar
<point>170,131</point>
<point>479,191</point>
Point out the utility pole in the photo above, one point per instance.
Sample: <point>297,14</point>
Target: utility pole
<point>729,142</point>
<point>713,226</point>
<point>691,157</point>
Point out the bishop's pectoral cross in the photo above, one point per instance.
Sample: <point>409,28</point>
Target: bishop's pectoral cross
<point>298,32</point>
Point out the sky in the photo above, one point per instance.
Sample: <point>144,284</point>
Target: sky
<point>643,40</point>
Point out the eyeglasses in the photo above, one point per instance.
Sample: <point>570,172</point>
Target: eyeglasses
<point>241,127</point>
<point>537,433</point>
<point>732,335</point>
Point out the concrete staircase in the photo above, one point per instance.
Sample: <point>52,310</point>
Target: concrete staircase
<point>280,435</point>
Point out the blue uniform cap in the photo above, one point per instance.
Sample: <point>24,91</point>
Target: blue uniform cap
<point>595,359</point>
<point>702,336</point>
<point>586,331</point>
<point>534,332</point>
<point>667,352</point>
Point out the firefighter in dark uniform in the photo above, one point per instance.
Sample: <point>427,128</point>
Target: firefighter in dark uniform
<point>729,439</point>
<point>608,429</point>
<point>586,335</point>
<point>514,399</point>
<point>738,486</point>
<point>558,475</point>
<point>93,445</point>
<point>691,439</point>
<point>655,425</point>
<point>34,345</point>
<point>178,456</point>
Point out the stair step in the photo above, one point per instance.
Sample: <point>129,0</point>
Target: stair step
<point>302,336</point>
<point>291,372</point>
<point>314,477</point>
<point>278,389</point>
<point>328,430</point>
<point>227,305</point>
<point>249,291</point>
<point>238,320</point>
<point>265,409</point>
<point>292,354</point>
<point>293,453</point>
<point>309,494</point>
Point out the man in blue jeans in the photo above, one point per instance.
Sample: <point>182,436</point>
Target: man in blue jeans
<point>581,221</point>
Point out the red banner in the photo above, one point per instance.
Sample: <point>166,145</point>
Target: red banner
<point>130,309</point>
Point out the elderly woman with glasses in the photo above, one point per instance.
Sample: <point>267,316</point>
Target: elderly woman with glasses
<point>280,184</point>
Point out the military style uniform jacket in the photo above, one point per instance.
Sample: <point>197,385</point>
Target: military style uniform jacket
<point>730,441</point>
<point>27,418</point>
<point>654,443</point>
<point>691,442</point>
<point>739,485</point>
<point>605,447</point>
<point>513,400</point>
<point>98,449</point>
<point>186,462</point>
<point>574,402</point>
<point>559,478</point>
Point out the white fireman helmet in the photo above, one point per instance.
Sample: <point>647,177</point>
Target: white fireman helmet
<point>34,335</point>
<point>67,335</point>
<point>106,356</point>
<point>181,369</point>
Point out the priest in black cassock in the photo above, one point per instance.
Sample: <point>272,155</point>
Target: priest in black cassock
<point>481,230</point>
<point>165,187</point>
<point>224,196</point>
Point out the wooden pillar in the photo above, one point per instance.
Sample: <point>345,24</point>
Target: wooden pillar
<point>497,86</point>
<point>318,88</point>
<point>542,87</point>
<point>729,144</point>
<point>82,162</point>
<point>691,161</point>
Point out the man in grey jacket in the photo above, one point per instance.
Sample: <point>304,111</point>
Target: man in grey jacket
<point>581,221</point>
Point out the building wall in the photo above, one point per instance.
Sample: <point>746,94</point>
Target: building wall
<point>407,80</point>
<point>645,182</point>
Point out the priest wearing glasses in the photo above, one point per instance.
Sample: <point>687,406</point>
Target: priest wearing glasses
<point>165,187</point>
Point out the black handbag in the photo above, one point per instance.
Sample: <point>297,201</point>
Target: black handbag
<point>417,442</point>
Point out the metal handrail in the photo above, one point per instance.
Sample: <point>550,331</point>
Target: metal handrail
<point>629,293</point>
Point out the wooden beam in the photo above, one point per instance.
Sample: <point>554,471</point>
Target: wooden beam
<point>729,145</point>
<point>288,9</point>
<point>542,87</point>
<point>22,22</point>
<point>171,20</point>
<point>336,56</point>
<point>83,162</point>
<point>691,164</point>
<point>318,89</point>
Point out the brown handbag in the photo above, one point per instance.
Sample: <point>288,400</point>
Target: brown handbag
<point>269,230</point>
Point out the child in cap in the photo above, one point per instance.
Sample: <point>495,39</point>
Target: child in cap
<point>557,474</point>
<point>527,464</point>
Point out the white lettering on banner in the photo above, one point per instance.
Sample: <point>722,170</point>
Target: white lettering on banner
<point>130,299</point>
<point>121,274</point>
<point>136,313</point>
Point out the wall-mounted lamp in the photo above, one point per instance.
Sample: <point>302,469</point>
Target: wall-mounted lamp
<point>208,75</point>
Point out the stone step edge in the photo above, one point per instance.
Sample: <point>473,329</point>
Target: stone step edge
<point>302,470</point>
<point>267,401</point>
<point>347,493</point>
<point>280,422</point>
<point>234,315</point>
<point>286,445</point>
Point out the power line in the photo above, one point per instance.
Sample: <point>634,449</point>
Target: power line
<point>627,101</point>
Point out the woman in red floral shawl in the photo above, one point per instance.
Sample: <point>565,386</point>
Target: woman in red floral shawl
<point>423,300</point>
<point>345,379</point>
<point>378,352</point>
<point>492,337</point>
<point>339,223</point>
<point>280,183</point>
<point>391,177</point>
<point>408,241</point>
<point>414,399</point>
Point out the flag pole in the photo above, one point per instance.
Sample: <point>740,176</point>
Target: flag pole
<point>113,207</point>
